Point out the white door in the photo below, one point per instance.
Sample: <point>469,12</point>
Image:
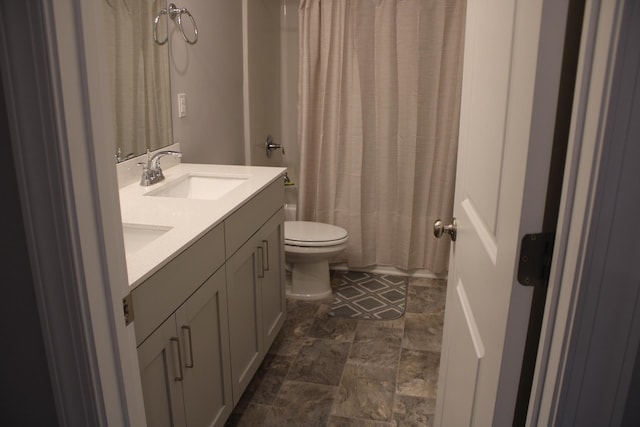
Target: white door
<point>512,58</point>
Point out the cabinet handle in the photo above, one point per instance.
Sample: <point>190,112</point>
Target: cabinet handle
<point>188,347</point>
<point>179,358</point>
<point>261,273</point>
<point>266,242</point>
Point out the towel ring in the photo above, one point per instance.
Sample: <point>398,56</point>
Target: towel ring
<point>175,13</point>
<point>155,28</point>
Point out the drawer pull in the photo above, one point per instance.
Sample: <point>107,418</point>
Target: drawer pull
<point>188,347</point>
<point>176,350</point>
<point>266,243</point>
<point>261,273</point>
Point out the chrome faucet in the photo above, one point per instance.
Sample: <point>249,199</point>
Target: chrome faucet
<point>151,170</point>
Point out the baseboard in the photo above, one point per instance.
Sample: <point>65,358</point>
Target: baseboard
<point>382,269</point>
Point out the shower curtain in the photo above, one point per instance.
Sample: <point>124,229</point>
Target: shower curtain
<point>379,94</point>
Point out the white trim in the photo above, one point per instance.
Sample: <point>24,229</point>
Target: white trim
<point>41,143</point>
<point>114,342</point>
<point>593,83</point>
<point>245,82</point>
<point>70,198</point>
<point>393,271</point>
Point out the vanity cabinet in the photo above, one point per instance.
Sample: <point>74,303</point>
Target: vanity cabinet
<point>272,281</point>
<point>163,400</point>
<point>254,285</point>
<point>203,328</point>
<point>205,320</point>
<point>184,364</point>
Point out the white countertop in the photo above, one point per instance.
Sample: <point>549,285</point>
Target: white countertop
<point>188,219</point>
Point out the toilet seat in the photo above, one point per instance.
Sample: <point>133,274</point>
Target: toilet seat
<point>313,234</point>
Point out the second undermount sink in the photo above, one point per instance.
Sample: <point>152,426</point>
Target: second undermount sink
<point>199,186</point>
<point>138,236</point>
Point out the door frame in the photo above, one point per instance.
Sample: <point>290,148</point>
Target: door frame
<point>605,44</point>
<point>99,253</point>
<point>56,93</point>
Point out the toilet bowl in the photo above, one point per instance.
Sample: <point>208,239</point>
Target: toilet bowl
<point>308,248</point>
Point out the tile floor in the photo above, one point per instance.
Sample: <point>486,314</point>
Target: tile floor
<point>328,371</point>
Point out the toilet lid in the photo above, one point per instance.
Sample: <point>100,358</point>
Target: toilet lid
<point>305,233</point>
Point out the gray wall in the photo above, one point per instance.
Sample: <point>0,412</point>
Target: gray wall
<point>210,73</point>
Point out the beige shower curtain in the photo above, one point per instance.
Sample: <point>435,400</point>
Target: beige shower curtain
<point>378,124</point>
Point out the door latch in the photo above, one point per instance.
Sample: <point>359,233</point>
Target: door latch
<point>536,253</point>
<point>127,308</point>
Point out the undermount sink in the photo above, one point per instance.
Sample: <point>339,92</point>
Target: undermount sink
<point>199,186</point>
<point>137,236</point>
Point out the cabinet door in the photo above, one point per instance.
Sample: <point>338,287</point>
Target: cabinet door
<point>161,376</point>
<point>245,316</point>
<point>272,282</point>
<point>203,330</point>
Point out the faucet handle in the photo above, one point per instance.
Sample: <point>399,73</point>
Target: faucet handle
<point>145,180</point>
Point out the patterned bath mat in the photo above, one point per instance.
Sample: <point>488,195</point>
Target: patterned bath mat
<point>359,295</point>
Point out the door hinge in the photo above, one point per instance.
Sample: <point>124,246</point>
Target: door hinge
<point>536,253</point>
<point>127,308</point>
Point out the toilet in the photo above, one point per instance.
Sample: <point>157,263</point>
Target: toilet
<point>308,248</point>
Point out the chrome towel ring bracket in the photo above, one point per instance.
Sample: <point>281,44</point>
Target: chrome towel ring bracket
<point>175,13</point>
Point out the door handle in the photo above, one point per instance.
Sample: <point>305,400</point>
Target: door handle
<point>439,229</point>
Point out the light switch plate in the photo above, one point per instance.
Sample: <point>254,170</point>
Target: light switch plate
<point>182,105</point>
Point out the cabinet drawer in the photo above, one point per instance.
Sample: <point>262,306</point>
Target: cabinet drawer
<point>159,296</point>
<point>243,223</point>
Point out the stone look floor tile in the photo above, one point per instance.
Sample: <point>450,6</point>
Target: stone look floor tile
<point>366,392</point>
<point>376,345</point>
<point>413,411</point>
<point>320,361</point>
<point>298,404</point>
<point>335,421</point>
<point>291,337</point>
<point>422,332</point>
<point>266,383</point>
<point>333,328</point>
<point>426,299</point>
<point>418,373</point>
<point>305,403</point>
<point>393,323</point>
<point>427,281</point>
<point>326,371</point>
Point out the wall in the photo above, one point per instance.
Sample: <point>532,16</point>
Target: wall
<point>263,77</point>
<point>290,58</point>
<point>272,76</point>
<point>210,73</point>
